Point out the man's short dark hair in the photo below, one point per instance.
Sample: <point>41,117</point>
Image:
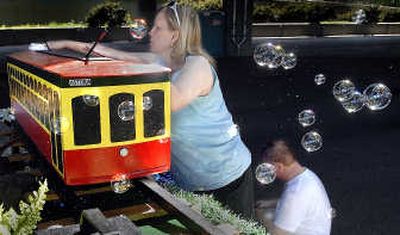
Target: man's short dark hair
<point>279,151</point>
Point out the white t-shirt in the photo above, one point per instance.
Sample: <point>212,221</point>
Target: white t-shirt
<point>304,207</point>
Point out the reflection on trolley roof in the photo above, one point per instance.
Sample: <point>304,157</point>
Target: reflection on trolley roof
<point>74,68</point>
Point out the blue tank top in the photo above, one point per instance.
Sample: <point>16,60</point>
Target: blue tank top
<point>207,151</point>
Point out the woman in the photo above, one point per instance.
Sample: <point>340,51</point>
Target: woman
<point>208,155</point>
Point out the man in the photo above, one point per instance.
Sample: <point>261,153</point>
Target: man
<point>304,207</point>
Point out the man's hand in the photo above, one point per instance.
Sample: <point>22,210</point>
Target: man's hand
<point>38,46</point>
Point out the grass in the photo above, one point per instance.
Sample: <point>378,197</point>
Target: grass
<point>216,213</point>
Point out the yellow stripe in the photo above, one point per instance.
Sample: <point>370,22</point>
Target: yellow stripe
<point>66,96</point>
<point>30,90</point>
<point>55,165</point>
<point>49,86</point>
<point>44,82</point>
<point>104,93</point>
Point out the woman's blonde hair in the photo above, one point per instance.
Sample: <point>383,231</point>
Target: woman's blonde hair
<point>189,30</point>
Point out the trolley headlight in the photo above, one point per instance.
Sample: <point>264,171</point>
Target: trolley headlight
<point>147,103</point>
<point>91,100</point>
<point>123,152</point>
<point>126,110</point>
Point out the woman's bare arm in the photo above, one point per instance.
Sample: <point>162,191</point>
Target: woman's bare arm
<point>195,80</point>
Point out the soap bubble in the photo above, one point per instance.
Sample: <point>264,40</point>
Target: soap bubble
<point>120,183</point>
<point>265,173</point>
<point>289,61</point>
<point>59,125</point>
<point>311,141</point>
<point>268,55</point>
<point>91,100</point>
<point>359,17</point>
<point>306,117</point>
<point>378,96</point>
<point>343,90</point>
<point>355,104</point>
<point>147,103</point>
<point>138,28</point>
<point>233,131</point>
<point>126,110</point>
<point>331,213</point>
<point>319,79</point>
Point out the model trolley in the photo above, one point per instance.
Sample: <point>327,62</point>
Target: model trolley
<point>95,121</point>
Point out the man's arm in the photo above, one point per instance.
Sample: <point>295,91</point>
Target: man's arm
<point>102,50</point>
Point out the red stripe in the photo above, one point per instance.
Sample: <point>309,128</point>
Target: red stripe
<point>89,166</point>
<point>35,131</point>
<point>99,165</point>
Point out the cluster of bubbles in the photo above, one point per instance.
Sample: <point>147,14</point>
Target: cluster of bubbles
<point>376,96</point>
<point>126,109</point>
<point>138,29</point>
<point>360,17</point>
<point>312,140</point>
<point>273,56</point>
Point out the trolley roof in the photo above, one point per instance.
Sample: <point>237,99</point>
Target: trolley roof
<point>73,68</point>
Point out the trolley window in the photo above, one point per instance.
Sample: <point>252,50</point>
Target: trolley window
<point>86,118</point>
<point>122,117</point>
<point>153,111</point>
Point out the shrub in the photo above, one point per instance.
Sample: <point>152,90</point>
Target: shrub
<point>317,12</point>
<point>24,221</point>
<point>202,5</point>
<point>110,13</point>
<point>266,13</point>
<point>372,14</point>
<point>292,12</point>
<point>390,16</point>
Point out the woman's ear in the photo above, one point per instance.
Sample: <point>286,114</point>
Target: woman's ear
<point>174,37</point>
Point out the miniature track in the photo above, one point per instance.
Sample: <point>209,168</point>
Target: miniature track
<point>145,204</point>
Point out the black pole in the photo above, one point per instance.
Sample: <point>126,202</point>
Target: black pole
<point>100,37</point>
<point>238,23</point>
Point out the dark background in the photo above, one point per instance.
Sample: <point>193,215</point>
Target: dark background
<point>359,162</point>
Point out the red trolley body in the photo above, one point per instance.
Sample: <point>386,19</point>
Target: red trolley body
<point>93,121</point>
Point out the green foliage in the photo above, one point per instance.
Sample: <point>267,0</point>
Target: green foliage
<point>110,13</point>
<point>393,3</point>
<point>292,12</point>
<point>317,12</point>
<point>390,15</point>
<point>202,5</point>
<point>24,222</point>
<point>372,14</point>
<point>215,212</point>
